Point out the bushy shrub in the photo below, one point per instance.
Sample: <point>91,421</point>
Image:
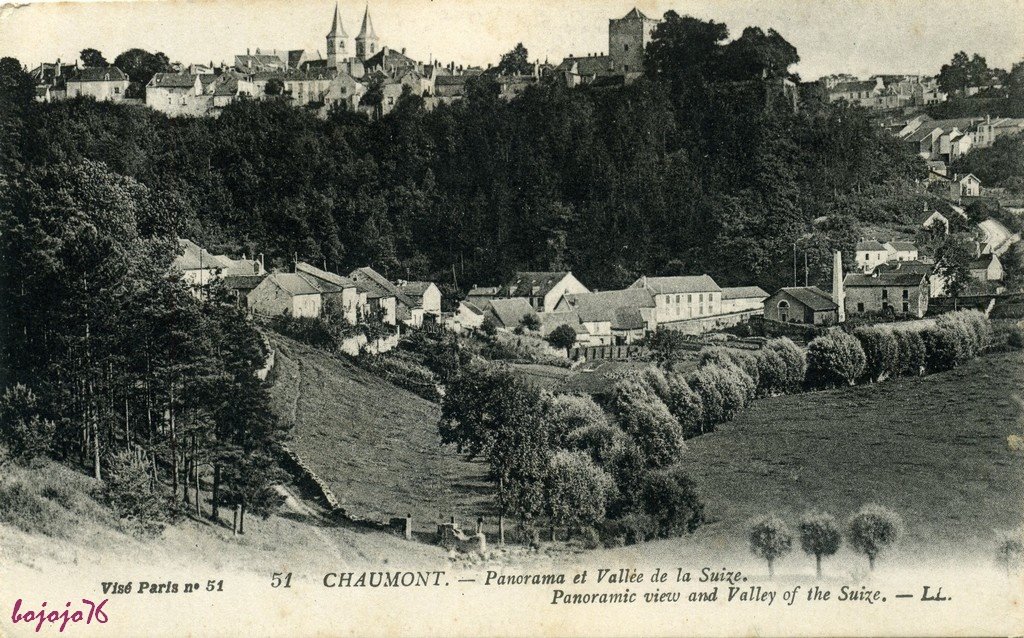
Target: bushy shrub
<point>770,539</point>
<point>1007,335</point>
<point>24,434</point>
<point>771,373</point>
<point>403,373</point>
<point>911,352</point>
<point>630,529</point>
<point>651,377</point>
<point>522,349</point>
<point>567,413</point>
<point>872,529</point>
<point>672,503</point>
<point>881,352</point>
<point>21,506</point>
<point>576,490</point>
<point>972,326</point>
<point>128,493</point>
<point>312,331</point>
<point>644,416</point>
<point>628,467</point>
<point>795,369</point>
<point>945,347</point>
<point>833,359</point>
<point>723,390</point>
<point>741,359</point>
<point>685,405</point>
<point>599,440</point>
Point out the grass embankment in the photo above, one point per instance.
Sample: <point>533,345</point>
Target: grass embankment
<point>51,514</point>
<point>374,444</point>
<point>934,449</point>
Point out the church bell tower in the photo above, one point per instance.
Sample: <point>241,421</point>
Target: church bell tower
<point>337,42</point>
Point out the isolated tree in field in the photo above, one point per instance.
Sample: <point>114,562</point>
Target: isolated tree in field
<point>770,539</point>
<point>872,529</point>
<point>819,536</point>
<point>23,432</point>
<point>1010,549</point>
<point>577,491</point>
<point>834,359</point>
<point>562,337</point>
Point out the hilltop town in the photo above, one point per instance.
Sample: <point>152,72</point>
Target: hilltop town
<point>613,299</point>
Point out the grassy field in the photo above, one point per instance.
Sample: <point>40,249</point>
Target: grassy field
<point>934,449</point>
<point>376,445</point>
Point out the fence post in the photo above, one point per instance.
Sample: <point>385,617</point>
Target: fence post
<point>479,524</point>
<point>408,527</point>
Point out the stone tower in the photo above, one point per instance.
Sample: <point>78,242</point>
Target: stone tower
<point>337,42</point>
<point>627,39</point>
<point>366,41</point>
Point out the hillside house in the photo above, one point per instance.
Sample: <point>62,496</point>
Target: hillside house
<point>903,292</point>
<point>987,268</point>
<point>509,314</point>
<point>197,265</point>
<point>104,84</point>
<point>426,299</point>
<point>897,250</point>
<point>342,292</point>
<point>543,290</point>
<point>870,253</point>
<point>748,300</point>
<point>469,315</point>
<point>382,296</point>
<point>807,305</point>
<point>177,94</point>
<point>683,303</point>
<point>939,215</point>
<point>285,294</point>
<point>964,186</point>
<point>482,294</point>
<point>936,283</point>
<point>613,317</point>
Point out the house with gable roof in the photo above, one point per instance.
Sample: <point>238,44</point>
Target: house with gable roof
<point>543,290</point>
<point>902,292</point>
<point>104,84</point>
<point>178,94</point>
<point>509,314</point>
<point>681,300</point>
<point>869,254</point>
<point>384,297</point>
<point>336,289</point>
<point>807,305</point>
<point>286,294</point>
<point>743,299</point>
<point>426,297</point>
<point>612,317</point>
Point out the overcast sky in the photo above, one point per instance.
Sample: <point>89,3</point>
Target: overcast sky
<point>852,36</point>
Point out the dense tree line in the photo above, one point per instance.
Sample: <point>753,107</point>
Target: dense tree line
<point>109,359</point>
<point>703,167</point>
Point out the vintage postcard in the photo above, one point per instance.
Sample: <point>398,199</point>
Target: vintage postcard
<point>535,318</point>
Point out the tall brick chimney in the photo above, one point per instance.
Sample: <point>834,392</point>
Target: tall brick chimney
<point>838,294</point>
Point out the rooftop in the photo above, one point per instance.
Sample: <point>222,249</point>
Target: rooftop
<point>813,297</point>
<point>672,285</point>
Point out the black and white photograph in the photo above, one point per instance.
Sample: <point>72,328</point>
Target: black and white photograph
<point>537,318</point>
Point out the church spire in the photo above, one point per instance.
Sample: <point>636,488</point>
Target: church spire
<point>367,31</point>
<point>366,41</point>
<point>337,31</point>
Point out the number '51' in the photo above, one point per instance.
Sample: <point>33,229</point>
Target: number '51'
<point>281,580</point>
